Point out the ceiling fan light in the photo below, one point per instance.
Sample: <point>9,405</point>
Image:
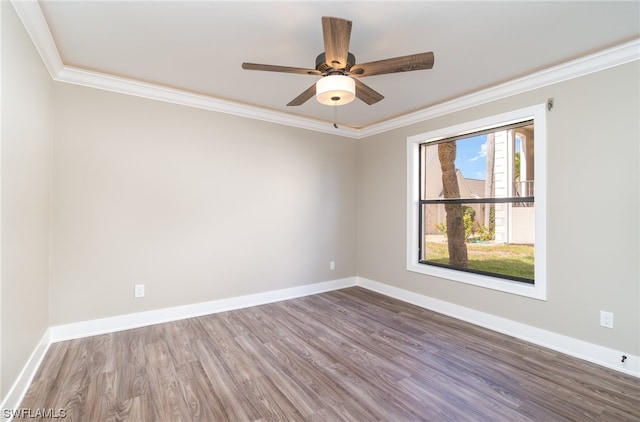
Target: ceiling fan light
<point>335,90</point>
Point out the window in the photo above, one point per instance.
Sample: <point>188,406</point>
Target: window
<point>476,209</point>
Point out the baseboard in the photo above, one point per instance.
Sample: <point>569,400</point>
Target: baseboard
<point>590,352</point>
<point>141,319</point>
<point>603,356</point>
<point>124,322</point>
<point>19,388</point>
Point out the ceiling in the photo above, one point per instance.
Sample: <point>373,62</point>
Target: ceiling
<point>198,47</point>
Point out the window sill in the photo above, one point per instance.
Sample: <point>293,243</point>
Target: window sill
<point>534,291</point>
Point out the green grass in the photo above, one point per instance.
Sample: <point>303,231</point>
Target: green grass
<point>506,259</point>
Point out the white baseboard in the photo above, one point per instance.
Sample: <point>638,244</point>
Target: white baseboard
<point>141,319</point>
<point>64,332</point>
<point>19,388</point>
<point>603,356</point>
<point>590,352</point>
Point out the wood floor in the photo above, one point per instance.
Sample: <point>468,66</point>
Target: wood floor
<point>347,355</point>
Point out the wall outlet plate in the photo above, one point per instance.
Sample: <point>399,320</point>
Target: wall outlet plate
<point>138,290</point>
<point>606,319</point>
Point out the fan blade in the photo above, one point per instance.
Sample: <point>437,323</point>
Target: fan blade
<point>337,33</point>
<point>276,68</point>
<point>302,98</point>
<point>408,63</point>
<point>367,94</point>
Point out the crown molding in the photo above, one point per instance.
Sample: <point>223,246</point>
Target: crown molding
<point>618,55</point>
<point>36,26</point>
<point>111,83</point>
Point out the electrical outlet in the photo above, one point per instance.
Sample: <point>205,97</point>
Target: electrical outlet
<point>606,319</point>
<point>138,290</point>
<point>332,265</point>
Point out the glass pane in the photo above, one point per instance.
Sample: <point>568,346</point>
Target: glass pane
<point>497,164</point>
<point>488,238</point>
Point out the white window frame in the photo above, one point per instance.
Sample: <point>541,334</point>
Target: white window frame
<point>538,290</point>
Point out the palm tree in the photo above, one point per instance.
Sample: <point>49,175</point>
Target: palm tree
<point>455,223</point>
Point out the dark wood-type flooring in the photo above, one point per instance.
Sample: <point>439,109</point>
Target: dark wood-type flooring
<point>351,355</point>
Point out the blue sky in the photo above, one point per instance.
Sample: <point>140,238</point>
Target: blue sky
<point>471,157</point>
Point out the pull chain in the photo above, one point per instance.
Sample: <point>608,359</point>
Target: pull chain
<point>335,115</point>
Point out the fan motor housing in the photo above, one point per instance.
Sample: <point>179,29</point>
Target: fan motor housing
<point>322,66</point>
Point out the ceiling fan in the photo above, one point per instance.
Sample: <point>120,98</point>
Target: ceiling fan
<point>340,83</point>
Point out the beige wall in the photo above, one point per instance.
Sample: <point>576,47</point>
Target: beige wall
<point>196,205</point>
<point>25,187</point>
<point>593,227</point>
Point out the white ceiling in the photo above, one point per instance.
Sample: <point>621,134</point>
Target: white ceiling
<point>199,46</point>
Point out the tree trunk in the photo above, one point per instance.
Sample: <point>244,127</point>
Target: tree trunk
<point>455,223</point>
<point>489,177</point>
